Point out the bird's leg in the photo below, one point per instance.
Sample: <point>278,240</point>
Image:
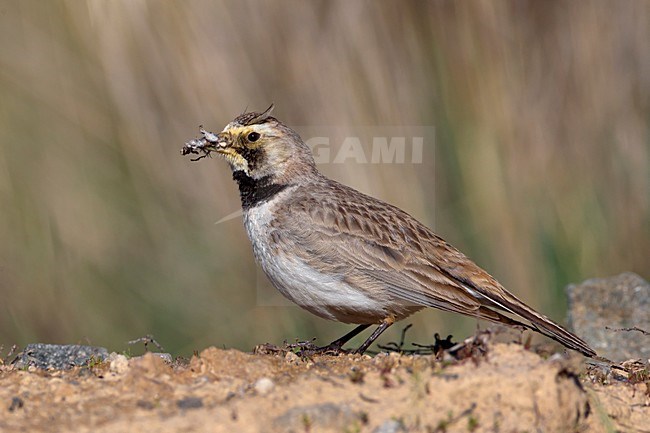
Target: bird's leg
<point>336,345</point>
<point>366,344</point>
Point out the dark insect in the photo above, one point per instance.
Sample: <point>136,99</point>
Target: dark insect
<point>200,146</point>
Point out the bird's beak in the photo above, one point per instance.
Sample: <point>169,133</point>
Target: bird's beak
<point>210,142</point>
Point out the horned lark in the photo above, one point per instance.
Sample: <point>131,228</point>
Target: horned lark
<point>343,255</point>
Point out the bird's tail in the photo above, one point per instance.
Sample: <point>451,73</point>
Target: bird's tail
<point>536,322</point>
<point>546,326</point>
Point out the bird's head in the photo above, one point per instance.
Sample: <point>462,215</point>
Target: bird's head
<point>260,146</point>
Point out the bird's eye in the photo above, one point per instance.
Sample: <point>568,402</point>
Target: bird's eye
<point>253,136</point>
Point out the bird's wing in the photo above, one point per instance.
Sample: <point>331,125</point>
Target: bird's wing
<point>374,255</point>
<point>349,233</point>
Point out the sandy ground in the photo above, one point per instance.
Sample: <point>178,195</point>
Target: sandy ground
<point>501,388</point>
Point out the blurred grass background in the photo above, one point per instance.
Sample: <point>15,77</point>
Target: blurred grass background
<point>540,171</point>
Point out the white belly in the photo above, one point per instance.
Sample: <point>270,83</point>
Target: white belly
<point>327,296</point>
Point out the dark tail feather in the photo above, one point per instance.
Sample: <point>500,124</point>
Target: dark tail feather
<point>544,326</point>
<point>552,330</point>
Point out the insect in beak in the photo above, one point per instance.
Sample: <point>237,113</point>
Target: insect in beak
<point>203,146</point>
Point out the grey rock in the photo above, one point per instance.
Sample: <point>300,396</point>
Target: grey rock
<point>317,417</point>
<point>390,426</point>
<point>59,357</point>
<point>190,403</point>
<point>600,308</point>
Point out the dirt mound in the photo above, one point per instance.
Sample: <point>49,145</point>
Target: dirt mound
<point>507,389</point>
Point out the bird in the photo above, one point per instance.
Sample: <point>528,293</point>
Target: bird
<point>344,255</point>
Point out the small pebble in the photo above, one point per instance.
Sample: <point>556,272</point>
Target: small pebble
<point>190,403</point>
<point>264,385</point>
<point>119,364</point>
<point>390,426</point>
